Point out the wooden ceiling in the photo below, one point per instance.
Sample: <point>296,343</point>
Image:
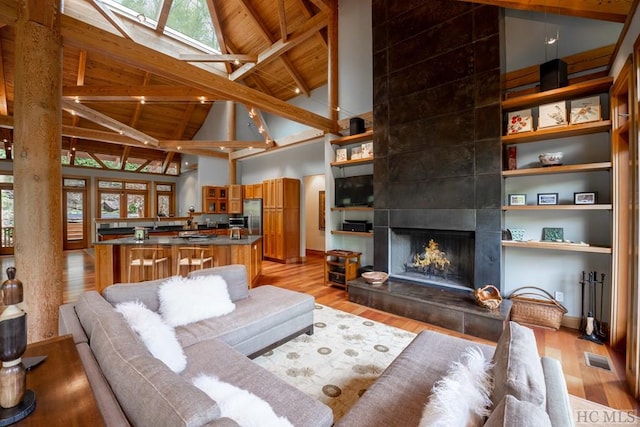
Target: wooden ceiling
<point>111,64</point>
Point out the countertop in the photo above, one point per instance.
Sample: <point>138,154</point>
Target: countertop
<point>159,229</point>
<point>181,241</point>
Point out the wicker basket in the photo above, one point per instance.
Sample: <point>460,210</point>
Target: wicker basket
<point>533,306</point>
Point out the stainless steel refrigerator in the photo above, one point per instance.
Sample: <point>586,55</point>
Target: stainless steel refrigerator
<point>252,213</point>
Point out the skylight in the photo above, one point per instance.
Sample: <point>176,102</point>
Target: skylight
<point>188,21</point>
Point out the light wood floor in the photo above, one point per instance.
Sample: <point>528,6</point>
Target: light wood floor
<point>594,384</point>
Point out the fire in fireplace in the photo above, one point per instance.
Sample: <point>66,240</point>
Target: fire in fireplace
<point>440,257</point>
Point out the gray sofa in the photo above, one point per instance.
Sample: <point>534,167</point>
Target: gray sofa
<point>134,388</point>
<point>528,390</point>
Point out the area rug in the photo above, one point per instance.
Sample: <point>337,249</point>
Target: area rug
<point>340,360</point>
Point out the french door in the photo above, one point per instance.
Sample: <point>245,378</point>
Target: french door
<point>6,215</point>
<point>75,215</point>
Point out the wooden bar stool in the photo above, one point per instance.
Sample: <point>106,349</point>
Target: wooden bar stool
<point>193,256</point>
<point>141,258</point>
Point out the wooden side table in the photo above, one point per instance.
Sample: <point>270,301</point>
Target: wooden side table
<point>63,392</point>
<point>340,267</point>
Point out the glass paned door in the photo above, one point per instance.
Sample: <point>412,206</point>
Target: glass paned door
<point>6,229</point>
<point>75,213</point>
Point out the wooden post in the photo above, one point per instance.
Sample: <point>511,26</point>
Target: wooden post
<point>231,135</point>
<point>332,68</point>
<point>37,168</point>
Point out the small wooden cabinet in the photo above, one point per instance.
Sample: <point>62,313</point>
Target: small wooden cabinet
<point>214,199</point>
<point>340,267</point>
<point>281,227</point>
<point>252,191</point>
<point>235,199</point>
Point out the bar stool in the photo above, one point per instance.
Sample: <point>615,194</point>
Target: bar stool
<point>146,257</point>
<point>193,256</point>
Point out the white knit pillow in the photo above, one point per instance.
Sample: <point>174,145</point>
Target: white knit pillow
<point>159,338</point>
<point>186,300</point>
<point>462,397</point>
<point>235,402</point>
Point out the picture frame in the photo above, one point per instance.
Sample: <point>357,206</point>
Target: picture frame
<point>519,121</point>
<point>585,198</point>
<point>552,115</point>
<point>547,199</point>
<point>552,234</point>
<point>585,110</point>
<point>321,208</point>
<point>517,199</point>
<point>341,155</point>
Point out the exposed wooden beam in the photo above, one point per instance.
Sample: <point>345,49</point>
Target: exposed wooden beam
<point>217,27</point>
<point>164,15</point>
<point>4,109</point>
<point>167,161</point>
<point>283,20</point>
<point>137,111</point>
<point>323,5</point>
<point>180,145</point>
<point>151,93</point>
<point>332,66</point>
<point>307,11</point>
<point>111,18</point>
<point>209,57</point>
<point>614,11</point>
<point>125,155</point>
<point>186,115</point>
<point>82,67</point>
<point>84,36</point>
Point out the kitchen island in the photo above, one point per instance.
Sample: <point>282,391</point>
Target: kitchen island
<point>111,256</point>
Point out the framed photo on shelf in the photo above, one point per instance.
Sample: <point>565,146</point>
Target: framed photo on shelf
<point>585,110</point>
<point>341,155</point>
<point>517,199</point>
<point>552,234</point>
<point>519,121</point>
<point>553,114</point>
<point>547,198</point>
<point>588,198</point>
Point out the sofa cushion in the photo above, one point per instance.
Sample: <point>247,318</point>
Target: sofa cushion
<point>187,300</point>
<point>235,275</point>
<point>159,338</point>
<point>517,369</point>
<point>468,383</point>
<point>558,402</point>
<point>147,390</point>
<point>145,292</point>
<point>513,412</point>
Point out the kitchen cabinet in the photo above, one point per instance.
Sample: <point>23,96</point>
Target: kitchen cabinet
<point>214,199</point>
<point>587,236</point>
<point>235,199</point>
<point>252,191</point>
<point>281,211</point>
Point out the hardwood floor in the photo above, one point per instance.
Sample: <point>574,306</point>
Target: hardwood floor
<point>594,384</point>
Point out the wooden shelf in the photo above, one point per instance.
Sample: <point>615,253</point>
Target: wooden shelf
<point>558,246</point>
<point>353,162</point>
<point>601,85</point>
<point>597,207</point>
<point>353,233</point>
<point>550,170</point>
<point>557,132</point>
<point>354,139</point>
<point>353,208</point>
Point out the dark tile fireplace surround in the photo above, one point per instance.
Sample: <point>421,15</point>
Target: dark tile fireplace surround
<point>437,145</point>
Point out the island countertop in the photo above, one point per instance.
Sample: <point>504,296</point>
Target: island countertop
<point>112,256</point>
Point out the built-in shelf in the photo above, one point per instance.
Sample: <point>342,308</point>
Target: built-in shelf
<point>353,233</point>
<point>596,207</point>
<point>590,87</point>
<point>548,170</point>
<point>354,208</point>
<point>353,139</point>
<point>353,162</point>
<point>557,132</point>
<point>558,246</point>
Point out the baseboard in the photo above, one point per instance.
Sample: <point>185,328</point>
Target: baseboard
<point>314,253</point>
<point>571,322</point>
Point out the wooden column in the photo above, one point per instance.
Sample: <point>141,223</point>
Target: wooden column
<point>231,136</point>
<point>36,167</point>
<point>332,67</point>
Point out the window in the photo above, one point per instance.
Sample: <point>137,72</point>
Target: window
<point>165,199</point>
<point>123,199</point>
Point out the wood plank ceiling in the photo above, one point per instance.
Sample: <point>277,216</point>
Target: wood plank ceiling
<point>129,90</point>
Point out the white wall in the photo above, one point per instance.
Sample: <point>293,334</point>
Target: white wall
<point>313,184</point>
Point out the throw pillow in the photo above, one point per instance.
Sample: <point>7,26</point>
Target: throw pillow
<point>461,398</point>
<point>513,412</point>
<point>187,300</point>
<point>159,338</point>
<point>234,401</point>
<point>517,367</point>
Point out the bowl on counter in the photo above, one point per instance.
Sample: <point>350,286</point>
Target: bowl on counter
<point>375,277</point>
<point>551,159</point>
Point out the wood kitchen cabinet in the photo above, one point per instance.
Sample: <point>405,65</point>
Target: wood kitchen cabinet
<point>281,210</point>
<point>214,199</point>
<point>235,199</point>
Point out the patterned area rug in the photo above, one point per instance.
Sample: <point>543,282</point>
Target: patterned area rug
<point>340,360</point>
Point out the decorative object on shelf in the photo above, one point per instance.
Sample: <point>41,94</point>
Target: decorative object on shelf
<point>488,297</point>
<point>552,234</point>
<point>591,327</point>
<point>341,155</point>
<point>553,74</point>
<point>375,277</point>
<point>551,159</point>
<point>321,208</point>
<point>16,402</point>
<point>553,114</point>
<point>512,160</point>
<point>517,199</point>
<point>586,198</point>
<point>367,150</point>
<point>356,153</point>
<point>534,306</point>
<point>517,234</point>
<point>356,125</point>
<point>519,121</point>
<point>547,198</point>
<point>585,110</point>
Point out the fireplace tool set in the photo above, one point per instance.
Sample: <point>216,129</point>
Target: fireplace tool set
<point>591,326</point>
